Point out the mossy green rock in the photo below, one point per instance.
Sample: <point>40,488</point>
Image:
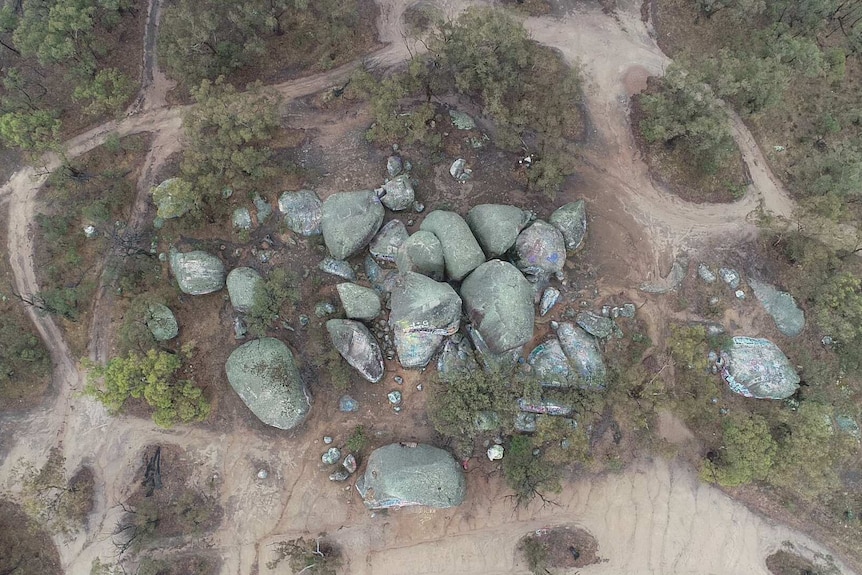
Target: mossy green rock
<point>241,286</point>
<point>263,373</point>
<point>461,252</point>
<point>349,221</point>
<point>161,322</point>
<point>497,226</point>
<point>197,272</point>
<point>499,302</point>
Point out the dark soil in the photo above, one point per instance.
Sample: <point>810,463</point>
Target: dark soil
<point>567,547</point>
<point>670,169</point>
<point>25,548</point>
<point>787,563</point>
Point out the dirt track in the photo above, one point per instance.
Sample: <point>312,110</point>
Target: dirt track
<point>655,518</point>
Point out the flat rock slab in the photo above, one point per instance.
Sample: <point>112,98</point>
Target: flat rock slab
<point>497,226</point>
<point>789,319</point>
<point>422,253</point>
<point>498,300</point>
<point>757,368</point>
<point>263,372</point>
<point>359,302</point>
<point>241,286</point>
<point>596,325</point>
<point>540,249</point>
<point>349,221</point>
<point>302,212</point>
<point>461,252</point>
<point>422,304</point>
<point>357,346</point>
<point>584,355</point>
<point>197,272</point>
<point>571,220</point>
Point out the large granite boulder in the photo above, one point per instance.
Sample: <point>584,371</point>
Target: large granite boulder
<point>423,312</point>
<point>497,226</point>
<point>398,193</point>
<point>499,302</point>
<point>173,198</point>
<point>264,374</point>
<point>757,368</point>
<point>461,251</point>
<point>241,286</point>
<point>540,249</point>
<point>302,212</point>
<point>789,319</point>
<point>197,272</point>
<point>584,355</point>
<point>161,322</point>
<point>349,221</point>
<point>384,246</point>
<point>571,220</point>
<point>422,253</point>
<point>359,302</point>
<point>357,346</point>
<point>402,475</point>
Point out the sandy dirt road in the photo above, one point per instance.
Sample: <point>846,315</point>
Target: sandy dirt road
<point>654,518</point>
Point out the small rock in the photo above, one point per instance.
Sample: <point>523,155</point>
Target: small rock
<point>606,311</point>
<point>303,320</point>
<point>705,273</point>
<point>394,397</point>
<point>730,277</point>
<point>713,301</point>
<point>397,409</point>
<point>347,404</point>
<point>262,474</point>
<point>419,387</point>
<point>90,231</point>
<point>537,452</point>
<point>340,475</point>
<point>349,463</point>
<point>323,309</point>
<point>263,208</point>
<point>399,380</point>
<point>239,328</point>
<point>549,299</point>
<point>338,268</point>
<point>332,455</point>
<point>628,310</point>
<point>460,171</point>
<point>495,452</point>
<point>242,219</point>
<point>827,341</point>
<point>418,207</point>
<point>739,294</point>
<point>327,440</point>
<point>598,326</point>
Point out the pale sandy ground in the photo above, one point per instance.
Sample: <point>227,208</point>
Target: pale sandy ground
<point>653,518</point>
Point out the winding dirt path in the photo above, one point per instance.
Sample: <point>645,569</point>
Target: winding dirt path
<point>654,518</point>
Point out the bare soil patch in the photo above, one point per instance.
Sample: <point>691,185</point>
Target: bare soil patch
<point>788,563</point>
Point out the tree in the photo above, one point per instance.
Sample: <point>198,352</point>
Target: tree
<point>152,377</point>
<point>270,296</point>
<point>31,131</point>
<point>456,403</point>
<point>528,475</point>
<point>106,93</point>
<point>810,452</point>
<point>227,135</point>
<point>838,310</point>
<point>311,557</point>
<point>686,113</point>
<point>60,505</point>
<point>747,454</point>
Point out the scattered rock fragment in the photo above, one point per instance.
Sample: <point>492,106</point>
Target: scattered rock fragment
<point>347,404</point>
<point>730,277</point>
<point>460,171</point>
<point>705,273</point>
<point>331,457</point>
<point>339,268</point>
<point>595,325</point>
<point>550,297</point>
